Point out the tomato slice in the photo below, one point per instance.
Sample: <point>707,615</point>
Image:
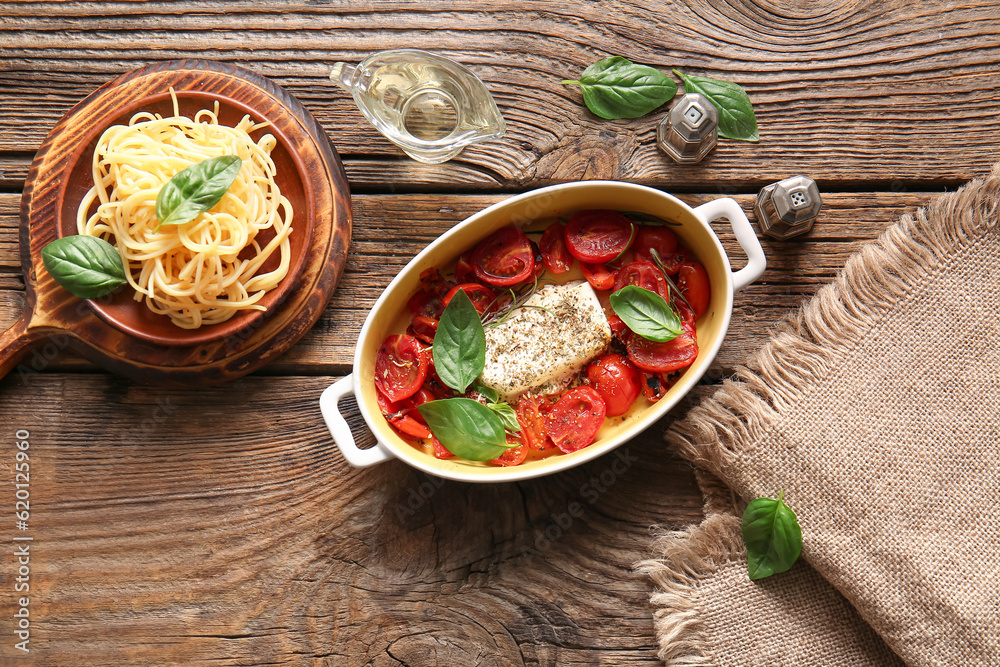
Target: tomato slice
<point>598,236</point>
<point>531,415</point>
<point>616,379</point>
<point>482,297</point>
<point>665,357</point>
<point>514,456</point>
<point>576,418</point>
<point>555,255</point>
<point>692,281</point>
<point>660,238</point>
<point>423,328</point>
<point>400,367</point>
<point>598,275</point>
<point>504,258</point>
<point>642,274</point>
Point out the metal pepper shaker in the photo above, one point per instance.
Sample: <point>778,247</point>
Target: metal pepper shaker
<point>788,208</point>
<point>690,129</point>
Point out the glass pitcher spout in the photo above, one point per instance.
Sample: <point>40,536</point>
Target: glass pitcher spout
<point>428,105</point>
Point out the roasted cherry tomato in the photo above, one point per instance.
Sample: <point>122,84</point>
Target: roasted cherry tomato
<point>555,255</point>
<point>514,456</point>
<point>482,297</point>
<point>616,379</point>
<point>440,451</point>
<point>618,326</point>
<point>423,328</point>
<point>576,418</point>
<point>598,236</point>
<point>432,281</point>
<point>505,257</point>
<point>672,262</point>
<point>656,385</point>
<point>398,416</point>
<point>463,269</point>
<point>532,414</point>
<point>692,281</point>
<point>642,274</point>
<point>598,275</point>
<point>427,304</point>
<point>663,357</point>
<point>661,239</point>
<point>400,367</point>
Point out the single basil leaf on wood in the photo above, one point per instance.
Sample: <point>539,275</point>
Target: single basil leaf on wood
<point>772,536</point>
<point>459,344</point>
<point>507,415</point>
<point>618,88</point>
<point>646,313</point>
<point>87,266</point>
<point>736,116</point>
<point>465,427</point>
<point>196,189</point>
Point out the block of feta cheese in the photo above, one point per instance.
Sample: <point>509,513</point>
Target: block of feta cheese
<point>546,341</point>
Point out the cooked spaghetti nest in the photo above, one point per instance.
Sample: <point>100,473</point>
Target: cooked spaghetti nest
<point>206,270</point>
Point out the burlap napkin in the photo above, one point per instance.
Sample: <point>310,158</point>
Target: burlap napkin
<point>875,409</point>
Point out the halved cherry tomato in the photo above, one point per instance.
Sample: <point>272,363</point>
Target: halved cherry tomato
<point>672,261</point>
<point>618,326</point>
<point>576,418</point>
<point>399,417</point>
<point>423,328</point>
<point>539,270</point>
<point>400,367</point>
<point>642,274</point>
<point>660,238</point>
<point>663,357</point>
<point>532,414</point>
<point>432,281</point>
<point>555,255</point>
<point>692,281</point>
<point>616,379</point>
<point>505,257</point>
<point>482,297</point>
<point>427,304</point>
<point>598,236</point>
<point>598,275</point>
<point>463,269</point>
<point>656,385</point>
<point>440,451</point>
<point>514,456</point>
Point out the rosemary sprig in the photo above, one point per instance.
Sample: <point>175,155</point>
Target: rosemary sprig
<point>666,276</point>
<point>518,297</point>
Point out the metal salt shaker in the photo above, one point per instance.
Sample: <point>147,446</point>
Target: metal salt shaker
<point>788,208</point>
<point>690,129</point>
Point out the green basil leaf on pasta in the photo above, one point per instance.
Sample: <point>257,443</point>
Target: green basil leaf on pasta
<point>618,88</point>
<point>196,189</point>
<point>459,344</point>
<point>646,313</point>
<point>466,428</point>
<point>87,266</point>
<point>772,536</point>
<point>736,116</point>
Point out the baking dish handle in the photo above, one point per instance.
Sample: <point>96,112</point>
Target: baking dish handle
<point>729,209</point>
<point>329,402</point>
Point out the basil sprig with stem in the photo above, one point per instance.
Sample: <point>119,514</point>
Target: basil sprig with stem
<point>646,313</point>
<point>618,88</point>
<point>503,410</point>
<point>196,189</point>
<point>736,116</point>
<point>772,536</point>
<point>85,265</point>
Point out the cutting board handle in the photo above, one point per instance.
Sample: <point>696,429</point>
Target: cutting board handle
<point>15,343</point>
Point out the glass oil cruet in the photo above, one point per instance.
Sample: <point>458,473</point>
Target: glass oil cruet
<point>430,106</point>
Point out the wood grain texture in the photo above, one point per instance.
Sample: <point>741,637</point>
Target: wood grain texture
<point>848,92</point>
<point>200,537</point>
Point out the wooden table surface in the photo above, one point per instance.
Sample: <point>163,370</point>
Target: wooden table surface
<point>221,526</point>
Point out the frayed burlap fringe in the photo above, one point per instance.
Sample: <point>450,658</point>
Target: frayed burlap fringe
<point>687,556</point>
<point>806,347</point>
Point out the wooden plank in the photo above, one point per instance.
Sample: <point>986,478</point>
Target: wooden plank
<point>897,92</point>
<point>205,529</point>
<point>390,229</point>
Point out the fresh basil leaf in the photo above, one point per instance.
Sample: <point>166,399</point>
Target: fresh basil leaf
<point>466,428</point>
<point>646,313</point>
<point>87,266</point>
<point>459,344</point>
<point>772,536</point>
<point>618,88</point>
<point>736,116</point>
<point>196,189</point>
<point>507,415</point>
<point>489,393</point>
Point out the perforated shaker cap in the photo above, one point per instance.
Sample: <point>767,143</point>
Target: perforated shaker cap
<point>690,129</point>
<point>788,208</point>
